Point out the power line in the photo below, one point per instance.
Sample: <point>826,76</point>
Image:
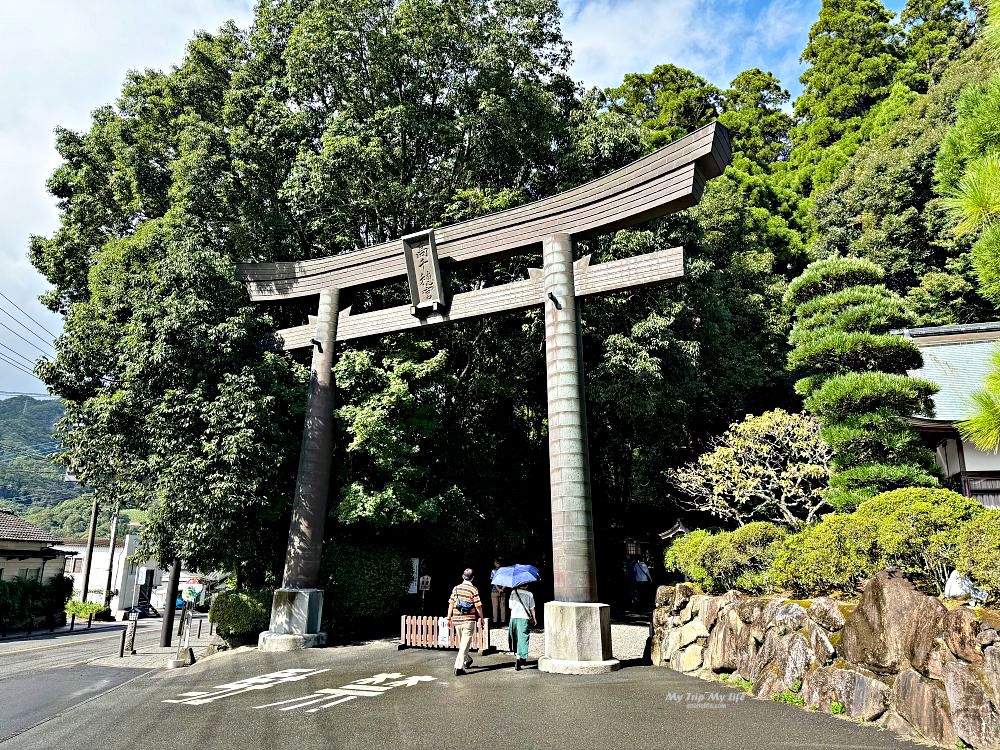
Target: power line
<point>15,365</point>
<point>12,302</point>
<point>29,343</point>
<point>32,395</point>
<point>14,351</point>
<point>44,341</point>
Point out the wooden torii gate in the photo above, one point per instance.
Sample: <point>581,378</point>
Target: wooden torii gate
<point>577,634</point>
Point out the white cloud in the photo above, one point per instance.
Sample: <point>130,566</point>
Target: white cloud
<point>60,60</point>
<point>714,38</point>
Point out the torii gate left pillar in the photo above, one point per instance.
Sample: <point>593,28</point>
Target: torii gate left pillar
<point>297,607</point>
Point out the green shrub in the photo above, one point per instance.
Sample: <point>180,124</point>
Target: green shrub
<point>241,615</point>
<point>21,598</point>
<point>918,529</point>
<point>836,553</point>
<point>365,584</point>
<point>739,559</point>
<point>979,551</point>
<point>836,707</point>
<point>83,610</point>
<point>683,556</point>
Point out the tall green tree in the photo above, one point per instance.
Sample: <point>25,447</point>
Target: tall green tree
<point>852,58</point>
<point>326,127</point>
<point>752,109</point>
<point>883,206</point>
<point>666,102</point>
<point>855,378</point>
<point>934,33</point>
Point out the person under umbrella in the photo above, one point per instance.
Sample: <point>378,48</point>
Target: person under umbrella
<point>521,607</point>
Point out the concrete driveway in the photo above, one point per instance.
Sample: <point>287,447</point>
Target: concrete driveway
<point>373,696</point>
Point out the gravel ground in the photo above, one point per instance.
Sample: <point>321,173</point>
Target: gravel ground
<point>627,641</point>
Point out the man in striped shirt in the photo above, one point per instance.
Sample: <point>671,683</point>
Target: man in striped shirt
<point>464,609</point>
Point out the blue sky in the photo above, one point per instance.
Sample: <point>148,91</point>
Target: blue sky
<point>63,58</point>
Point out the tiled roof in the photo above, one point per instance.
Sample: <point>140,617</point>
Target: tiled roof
<point>15,529</point>
<point>959,368</point>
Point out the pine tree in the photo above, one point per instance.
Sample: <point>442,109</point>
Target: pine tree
<point>855,378</point>
<point>934,33</point>
<point>852,59</point>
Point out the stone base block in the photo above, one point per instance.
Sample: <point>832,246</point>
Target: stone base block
<point>273,643</point>
<point>562,666</point>
<point>577,639</point>
<point>185,659</point>
<point>296,611</point>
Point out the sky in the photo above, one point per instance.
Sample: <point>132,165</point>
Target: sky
<point>60,59</point>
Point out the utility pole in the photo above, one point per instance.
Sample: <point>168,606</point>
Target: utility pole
<point>91,534</point>
<point>111,554</point>
<point>167,626</point>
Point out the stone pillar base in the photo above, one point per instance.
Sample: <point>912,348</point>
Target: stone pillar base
<point>274,643</point>
<point>577,639</point>
<point>295,621</point>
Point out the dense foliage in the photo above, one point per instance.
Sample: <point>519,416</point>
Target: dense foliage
<point>855,377</point>
<point>21,598</point>
<point>365,584</point>
<point>924,532</point>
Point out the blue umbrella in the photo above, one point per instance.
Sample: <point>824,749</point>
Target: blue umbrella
<point>512,576</point>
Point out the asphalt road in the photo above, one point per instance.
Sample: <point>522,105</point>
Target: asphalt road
<point>375,697</point>
<point>44,675</point>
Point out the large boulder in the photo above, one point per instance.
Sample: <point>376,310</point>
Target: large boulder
<point>820,643</point>
<point>961,633</point>
<point>729,644</point>
<point>688,659</point>
<point>682,595</point>
<point>781,661</point>
<point>972,716</point>
<point>862,696</point>
<point>920,708</point>
<point>691,632</point>
<point>664,596</point>
<point>890,620</point>
<point>750,610</point>
<point>709,612</point>
<point>693,607</point>
<point>789,617</point>
<point>826,612</point>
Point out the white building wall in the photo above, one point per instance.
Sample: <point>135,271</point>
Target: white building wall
<point>977,460</point>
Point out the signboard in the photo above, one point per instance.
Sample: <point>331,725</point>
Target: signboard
<point>192,591</point>
<point>415,563</point>
<point>444,632</point>
<point>424,273</point>
<point>425,583</point>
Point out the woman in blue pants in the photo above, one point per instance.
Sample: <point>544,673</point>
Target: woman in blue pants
<point>521,607</point>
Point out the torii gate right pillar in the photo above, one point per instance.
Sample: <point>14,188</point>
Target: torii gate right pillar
<point>577,628</point>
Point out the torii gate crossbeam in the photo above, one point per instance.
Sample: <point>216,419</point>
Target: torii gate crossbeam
<point>577,635</point>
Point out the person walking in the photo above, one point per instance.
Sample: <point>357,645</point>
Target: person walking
<point>464,610</point>
<point>522,607</point>
<point>498,602</point>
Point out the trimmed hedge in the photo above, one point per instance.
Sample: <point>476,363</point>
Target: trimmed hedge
<point>83,610</point>
<point>739,559</point>
<point>925,532</point>
<point>241,615</point>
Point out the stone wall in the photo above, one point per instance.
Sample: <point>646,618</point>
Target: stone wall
<point>898,658</point>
